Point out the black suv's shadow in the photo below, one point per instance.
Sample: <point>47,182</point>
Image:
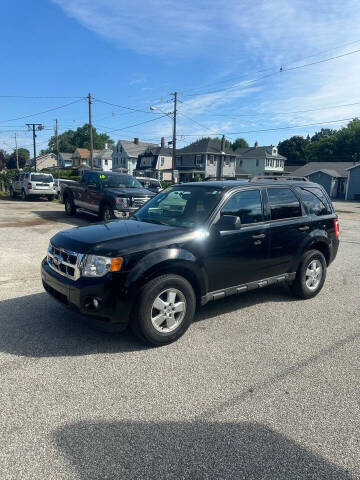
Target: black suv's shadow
<point>188,450</point>
<point>38,326</point>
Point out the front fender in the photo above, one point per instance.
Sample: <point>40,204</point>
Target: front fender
<point>165,259</point>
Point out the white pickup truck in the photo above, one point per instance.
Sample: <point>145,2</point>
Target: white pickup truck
<point>31,184</point>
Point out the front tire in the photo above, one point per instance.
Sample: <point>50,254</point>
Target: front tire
<point>107,213</point>
<point>164,311</point>
<point>310,276</point>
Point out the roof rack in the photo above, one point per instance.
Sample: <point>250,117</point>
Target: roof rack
<point>238,177</point>
<point>279,177</point>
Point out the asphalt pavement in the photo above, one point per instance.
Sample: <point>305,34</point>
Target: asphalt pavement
<point>262,386</point>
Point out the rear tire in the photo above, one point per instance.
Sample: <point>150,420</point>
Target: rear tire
<point>107,213</point>
<point>164,311</point>
<point>310,276</point>
<point>24,196</point>
<point>70,208</point>
<point>12,193</point>
<point>50,198</point>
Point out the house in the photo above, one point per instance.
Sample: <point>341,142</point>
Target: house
<point>201,160</point>
<point>47,160</point>
<point>125,155</point>
<point>260,160</point>
<point>155,162</point>
<point>65,160</point>
<point>81,156</point>
<point>333,176</point>
<point>353,182</point>
<point>103,159</point>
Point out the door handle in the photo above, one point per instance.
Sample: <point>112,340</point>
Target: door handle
<point>304,228</point>
<point>256,237</point>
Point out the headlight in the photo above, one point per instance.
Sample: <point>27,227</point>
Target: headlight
<point>122,202</point>
<point>96,266</point>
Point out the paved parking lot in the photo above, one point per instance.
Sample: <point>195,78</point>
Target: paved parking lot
<point>261,387</point>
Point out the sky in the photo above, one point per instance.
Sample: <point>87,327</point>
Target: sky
<point>240,67</point>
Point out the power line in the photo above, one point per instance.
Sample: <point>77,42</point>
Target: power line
<point>281,70</point>
<point>202,126</point>
<point>271,68</point>
<point>34,97</point>
<point>125,107</point>
<point>41,113</point>
<point>329,107</point>
<point>269,129</point>
<point>136,124</point>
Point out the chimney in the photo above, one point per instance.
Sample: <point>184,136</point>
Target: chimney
<point>136,141</point>
<point>256,144</point>
<point>223,143</point>
<point>162,142</point>
<point>106,146</point>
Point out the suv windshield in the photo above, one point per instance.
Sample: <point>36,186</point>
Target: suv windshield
<point>186,206</point>
<point>119,181</point>
<point>41,177</point>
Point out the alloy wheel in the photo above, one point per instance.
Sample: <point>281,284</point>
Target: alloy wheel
<point>313,274</point>
<point>168,310</point>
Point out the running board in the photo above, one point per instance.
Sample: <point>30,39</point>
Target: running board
<point>81,210</point>
<point>246,287</point>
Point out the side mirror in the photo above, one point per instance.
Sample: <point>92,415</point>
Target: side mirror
<point>228,223</point>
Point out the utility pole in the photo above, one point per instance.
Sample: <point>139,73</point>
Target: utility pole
<point>219,166</point>
<point>33,127</point>
<point>57,146</point>
<point>91,135</point>
<point>174,139</point>
<point>17,155</point>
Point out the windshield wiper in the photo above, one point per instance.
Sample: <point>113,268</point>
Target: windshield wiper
<point>152,220</point>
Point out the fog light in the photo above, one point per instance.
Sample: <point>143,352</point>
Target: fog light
<point>92,303</point>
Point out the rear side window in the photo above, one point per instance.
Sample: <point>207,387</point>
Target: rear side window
<point>246,205</point>
<point>319,193</point>
<point>283,203</point>
<point>313,204</point>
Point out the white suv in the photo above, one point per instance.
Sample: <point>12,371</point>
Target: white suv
<point>30,184</point>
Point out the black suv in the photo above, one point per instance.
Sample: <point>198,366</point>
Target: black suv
<point>190,244</point>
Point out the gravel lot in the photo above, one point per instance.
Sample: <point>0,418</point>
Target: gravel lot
<point>261,387</point>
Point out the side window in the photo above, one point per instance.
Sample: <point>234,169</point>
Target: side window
<point>319,193</point>
<point>283,203</point>
<point>313,204</point>
<point>246,205</point>
<point>93,180</point>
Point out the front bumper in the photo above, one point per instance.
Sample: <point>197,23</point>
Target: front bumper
<point>114,306</point>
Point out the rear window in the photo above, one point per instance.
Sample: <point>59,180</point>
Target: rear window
<point>41,177</point>
<point>314,205</point>
<point>283,203</point>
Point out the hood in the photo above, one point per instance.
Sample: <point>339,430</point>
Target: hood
<point>119,237</point>
<point>129,192</point>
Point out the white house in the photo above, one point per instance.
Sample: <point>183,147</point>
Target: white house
<point>125,155</point>
<point>103,159</point>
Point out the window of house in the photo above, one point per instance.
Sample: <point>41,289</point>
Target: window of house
<point>257,163</point>
<point>198,159</point>
<point>283,203</point>
<point>313,204</point>
<point>246,205</point>
<point>162,161</point>
<point>106,162</point>
<point>211,157</point>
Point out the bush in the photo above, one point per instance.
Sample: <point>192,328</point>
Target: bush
<point>6,178</point>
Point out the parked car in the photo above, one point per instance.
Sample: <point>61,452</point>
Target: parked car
<point>33,184</point>
<point>191,244</point>
<point>151,184</point>
<point>105,194</point>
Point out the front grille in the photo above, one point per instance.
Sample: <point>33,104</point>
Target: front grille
<point>137,202</point>
<point>64,262</point>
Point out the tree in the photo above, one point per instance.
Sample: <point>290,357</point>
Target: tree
<point>70,140</point>
<point>324,132</point>
<point>3,158</point>
<point>23,155</point>
<point>239,143</point>
<point>294,149</point>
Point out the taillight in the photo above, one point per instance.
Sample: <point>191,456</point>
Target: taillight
<point>29,186</point>
<point>54,186</point>
<point>336,226</point>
